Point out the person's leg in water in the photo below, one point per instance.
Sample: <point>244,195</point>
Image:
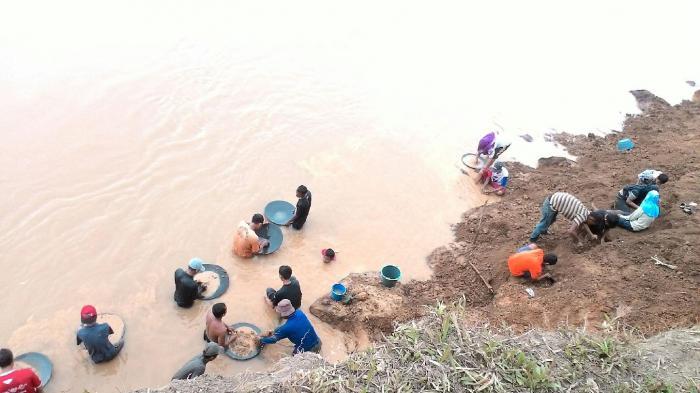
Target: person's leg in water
<point>548,217</point>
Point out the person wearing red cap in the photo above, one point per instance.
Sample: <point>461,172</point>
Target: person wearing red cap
<point>95,336</point>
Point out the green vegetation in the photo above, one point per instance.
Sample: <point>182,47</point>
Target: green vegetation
<point>440,353</point>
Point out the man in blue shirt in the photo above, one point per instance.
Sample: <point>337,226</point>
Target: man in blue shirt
<point>297,329</point>
<point>95,337</point>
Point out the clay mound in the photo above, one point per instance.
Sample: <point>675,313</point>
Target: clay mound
<point>373,306</point>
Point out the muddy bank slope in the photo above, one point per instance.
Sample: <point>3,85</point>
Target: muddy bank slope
<point>617,280</point>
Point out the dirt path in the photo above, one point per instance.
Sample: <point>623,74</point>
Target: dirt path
<point>595,282</point>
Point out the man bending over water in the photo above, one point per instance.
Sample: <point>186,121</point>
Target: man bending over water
<point>95,337</point>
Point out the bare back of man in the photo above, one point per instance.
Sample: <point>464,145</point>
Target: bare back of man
<point>218,331</point>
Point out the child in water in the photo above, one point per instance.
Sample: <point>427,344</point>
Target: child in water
<point>328,255</point>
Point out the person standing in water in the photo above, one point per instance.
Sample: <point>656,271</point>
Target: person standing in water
<point>187,290</point>
<point>303,208</point>
<point>95,337</point>
<point>20,380</point>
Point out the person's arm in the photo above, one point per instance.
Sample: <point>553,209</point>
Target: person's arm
<point>279,334</point>
<point>78,340</point>
<point>36,382</point>
<point>573,232</point>
<point>255,246</point>
<point>488,164</point>
<point>196,372</point>
<point>630,201</point>
<point>590,234</point>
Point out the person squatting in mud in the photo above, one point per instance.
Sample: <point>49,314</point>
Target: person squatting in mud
<point>529,262</point>
<point>594,225</point>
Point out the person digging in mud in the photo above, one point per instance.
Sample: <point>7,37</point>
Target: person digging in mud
<point>290,289</point>
<point>95,337</point>
<point>644,215</point>
<point>651,176</point>
<point>631,195</point>
<point>246,242</point>
<point>187,290</point>
<point>530,264</point>
<point>216,330</point>
<point>571,208</point>
<point>198,364</point>
<point>297,329</point>
<point>303,207</point>
<point>600,222</point>
<point>495,179</point>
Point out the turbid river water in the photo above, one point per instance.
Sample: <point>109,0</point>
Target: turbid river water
<point>137,135</point>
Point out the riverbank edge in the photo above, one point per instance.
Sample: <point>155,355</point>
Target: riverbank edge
<point>298,373</point>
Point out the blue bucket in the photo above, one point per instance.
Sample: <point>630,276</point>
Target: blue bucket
<point>390,275</point>
<point>625,144</point>
<point>338,291</point>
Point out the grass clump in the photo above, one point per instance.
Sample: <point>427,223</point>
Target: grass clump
<point>440,353</point>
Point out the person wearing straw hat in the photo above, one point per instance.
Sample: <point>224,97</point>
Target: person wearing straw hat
<point>186,288</point>
<point>198,364</point>
<point>14,379</point>
<point>95,336</point>
<point>297,329</point>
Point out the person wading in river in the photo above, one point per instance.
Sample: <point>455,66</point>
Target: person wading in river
<point>16,380</point>
<point>290,289</point>
<point>303,208</point>
<point>187,290</point>
<point>198,364</point>
<point>95,337</point>
<point>297,329</point>
<point>246,242</point>
<point>216,330</point>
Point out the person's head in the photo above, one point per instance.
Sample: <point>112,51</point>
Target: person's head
<point>611,220</point>
<point>549,259</point>
<point>6,358</point>
<point>662,179</point>
<point>194,266</point>
<point>498,166</point>
<point>219,310</point>
<point>257,221</point>
<point>88,314</point>
<point>328,255</point>
<point>211,351</point>
<point>285,308</point>
<point>285,272</point>
<point>301,191</point>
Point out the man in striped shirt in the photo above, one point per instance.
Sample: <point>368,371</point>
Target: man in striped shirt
<point>571,208</point>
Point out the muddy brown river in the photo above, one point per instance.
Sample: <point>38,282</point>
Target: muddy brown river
<point>136,136</point>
